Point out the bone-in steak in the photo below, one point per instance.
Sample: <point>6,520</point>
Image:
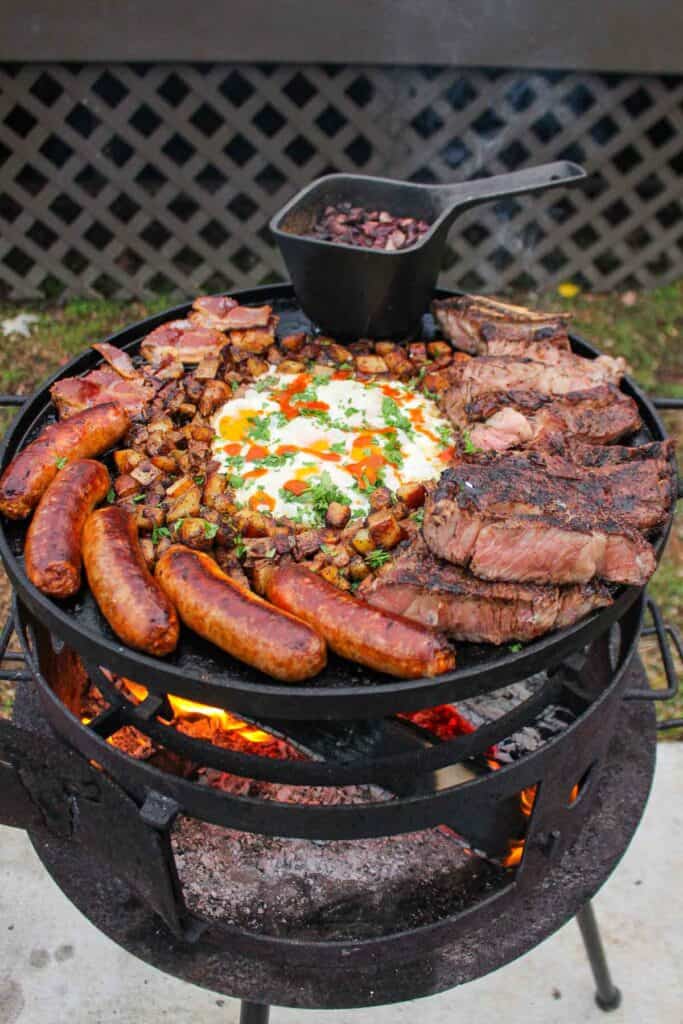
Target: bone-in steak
<point>477,324</point>
<point>449,598</point>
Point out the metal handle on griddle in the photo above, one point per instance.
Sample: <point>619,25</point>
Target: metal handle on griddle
<point>664,632</point>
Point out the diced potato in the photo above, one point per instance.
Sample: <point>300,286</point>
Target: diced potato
<point>261,573</point>
<point>127,459</point>
<point>331,574</point>
<point>413,494</point>
<point>160,423</point>
<point>208,368</point>
<point>363,542</point>
<point>293,342</point>
<point>382,348</point>
<point>214,486</point>
<point>170,371</point>
<point>201,432</point>
<point>437,349</point>
<point>256,367</point>
<point>179,487</point>
<point>165,463</point>
<point>194,389</point>
<point>307,543</point>
<point>337,515</point>
<point>337,554</point>
<point>339,353</point>
<point>148,552</point>
<point>385,531</point>
<point>252,523</point>
<point>357,569</point>
<point>163,545</point>
<point>148,516</point>
<point>291,366</point>
<point>216,393</point>
<point>399,364</point>
<point>185,506</point>
<point>380,498</point>
<point>371,364</point>
<point>274,355</point>
<point>436,381</point>
<point>196,533</point>
<point>417,352</point>
<point>187,409</point>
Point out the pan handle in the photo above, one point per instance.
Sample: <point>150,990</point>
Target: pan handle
<point>464,194</point>
<point>7,400</point>
<point>663,402</point>
<point>666,636</point>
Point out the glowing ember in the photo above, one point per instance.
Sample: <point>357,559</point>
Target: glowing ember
<point>527,799</point>
<point>442,721</point>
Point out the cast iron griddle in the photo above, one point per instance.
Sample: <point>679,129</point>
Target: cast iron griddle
<point>202,672</point>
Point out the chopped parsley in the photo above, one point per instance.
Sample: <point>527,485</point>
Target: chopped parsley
<point>515,648</point>
<point>111,495</point>
<point>240,546</point>
<point>259,429</point>
<point>263,383</point>
<point>270,553</point>
<point>392,450</point>
<point>61,463</point>
<point>393,416</point>
<point>339,447</point>
<point>445,435</point>
<point>210,530</point>
<point>158,532</point>
<point>137,498</point>
<point>377,557</point>
<point>234,385</point>
<point>418,516</point>
<point>317,496</point>
<point>235,480</point>
<point>468,445</point>
<point>199,480</point>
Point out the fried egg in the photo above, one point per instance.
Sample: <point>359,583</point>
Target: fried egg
<point>292,443</point>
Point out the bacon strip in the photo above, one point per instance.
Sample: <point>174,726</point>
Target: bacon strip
<point>117,359</point>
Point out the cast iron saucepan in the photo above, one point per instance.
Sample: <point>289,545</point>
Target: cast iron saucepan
<point>370,293</point>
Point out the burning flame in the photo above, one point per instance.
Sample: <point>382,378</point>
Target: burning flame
<point>224,720</point>
<point>527,799</point>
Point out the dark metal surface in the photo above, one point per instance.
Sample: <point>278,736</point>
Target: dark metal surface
<point>607,996</point>
<point>664,632</point>
<point>351,292</point>
<point>631,35</point>
<point>200,672</point>
<point>355,975</point>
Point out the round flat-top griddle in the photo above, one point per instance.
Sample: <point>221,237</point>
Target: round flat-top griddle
<point>203,673</point>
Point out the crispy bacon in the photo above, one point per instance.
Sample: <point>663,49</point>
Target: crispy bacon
<point>74,394</point>
<point>117,359</point>
<point>183,342</point>
<point>224,314</point>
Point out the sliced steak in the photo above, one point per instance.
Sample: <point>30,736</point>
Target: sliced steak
<point>509,419</point>
<point>471,379</point>
<point>449,598</point>
<point>518,524</point>
<point>475,323</point>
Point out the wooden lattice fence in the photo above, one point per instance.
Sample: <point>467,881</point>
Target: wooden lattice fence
<point>123,180</point>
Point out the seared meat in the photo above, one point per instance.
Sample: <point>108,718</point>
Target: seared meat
<point>447,597</point>
<point>74,394</point>
<point>182,341</point>
<point>472,379</point>
<point>597,415</point>
<point>508,520</point>
<point>636,492</point>
<point>479,325</point>
<point>224,314</point>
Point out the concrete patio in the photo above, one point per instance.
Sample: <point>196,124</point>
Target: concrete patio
<point>56,968</point>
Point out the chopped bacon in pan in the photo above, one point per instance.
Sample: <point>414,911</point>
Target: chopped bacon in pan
<point>74,394</point>
<point>183,341</point>
<point>117,359</point>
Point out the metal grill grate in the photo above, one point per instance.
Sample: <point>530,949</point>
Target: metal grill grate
<point>123,180</point>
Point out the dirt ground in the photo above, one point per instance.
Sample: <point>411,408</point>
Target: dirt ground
<point>645,327</point>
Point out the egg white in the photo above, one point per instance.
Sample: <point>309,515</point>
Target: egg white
<point>355,408</point>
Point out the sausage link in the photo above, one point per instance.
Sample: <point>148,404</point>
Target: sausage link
<point>130,599</point>
<point>238,622</point>
<point>381,640</point>
<point>52,553</point>
<point>82,436</point>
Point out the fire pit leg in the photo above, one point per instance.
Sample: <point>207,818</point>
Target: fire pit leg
<point>607,996</point>
<point>254,1013</point>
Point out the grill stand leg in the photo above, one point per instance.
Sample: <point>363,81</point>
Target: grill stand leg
<point>607,995</point>
<point>254,1013</point>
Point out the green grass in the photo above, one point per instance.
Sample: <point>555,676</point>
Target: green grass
<point>645,327</point>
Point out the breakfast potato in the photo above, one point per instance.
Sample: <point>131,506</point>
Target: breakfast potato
<point>413,494</point>
<point>337,515</point>
<point>126,459</point>
<point>371,364</point>
<point>195,533</point>
<point>384,530</point>
<point>363,542</point>
<point>186,505</point>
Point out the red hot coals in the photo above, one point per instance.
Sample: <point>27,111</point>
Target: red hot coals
<point>368,229</point>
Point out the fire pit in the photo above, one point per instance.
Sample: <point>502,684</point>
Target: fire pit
<point>278,840</point>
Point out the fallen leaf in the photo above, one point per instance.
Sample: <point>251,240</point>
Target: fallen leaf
<point>568,289</point>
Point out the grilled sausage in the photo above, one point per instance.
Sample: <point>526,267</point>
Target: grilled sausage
<point>82,436</point>
<point>52,552</point>
<point>238,622</point>
<point>354,629</point>
<point>130,599</point>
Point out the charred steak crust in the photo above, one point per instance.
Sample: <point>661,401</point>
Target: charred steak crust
<point>478,325</point>
<point>447,597</point>
<point>509,518</point>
